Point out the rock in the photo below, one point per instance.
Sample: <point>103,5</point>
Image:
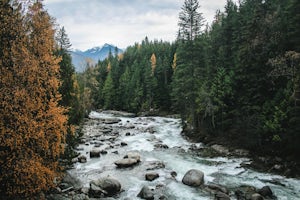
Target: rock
<point>155,165</point>
<point>103,152</point>
<point>74,160</point>
<point>151,176</point>
<point>265,191</point>
<point>193,178</point>
<point>112,120</point>
<point>123,144</point>
<point>126,162</point>
<point>173,174</point>
<point>241,152</point>
<point>94,154</point>
<point>105,186</point>
<point>82,159</point>
<point>161,146</point>
<point>133,155</point>
<point>146,193</point>
<point>217,188</point>
<point>220,149</point>
<point>221,196</point>
<point>244,191</point>
<point>80,197</point>
<point>127,134</point>
<point>256,196</point>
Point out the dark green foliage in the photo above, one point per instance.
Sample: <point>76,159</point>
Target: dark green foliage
<point>238,78</point>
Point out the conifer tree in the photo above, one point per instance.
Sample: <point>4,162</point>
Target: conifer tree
<point>33,125</point>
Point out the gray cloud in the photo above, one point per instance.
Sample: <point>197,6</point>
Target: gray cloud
<point>121,22</point>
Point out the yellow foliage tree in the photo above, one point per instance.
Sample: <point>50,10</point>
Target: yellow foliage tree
<point>32,125</point>
<point>153,63</point>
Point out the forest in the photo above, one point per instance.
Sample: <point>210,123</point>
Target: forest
<point>235,80</point>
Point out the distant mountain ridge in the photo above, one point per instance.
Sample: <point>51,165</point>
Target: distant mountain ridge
<point>93,55</point>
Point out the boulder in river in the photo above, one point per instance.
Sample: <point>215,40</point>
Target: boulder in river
<point>82,159</point>
<point>94,154</point>
<point>133,155</point>
<point>256,196</point>
<point>265,191</point>
<point>193,178</point>
<point>104,186</point>
<point>151,176</point>
<point>146,193</point>
<point>221,196</point>
<point>126,162</point>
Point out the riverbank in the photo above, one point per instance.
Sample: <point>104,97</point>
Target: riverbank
<point>262,161</point>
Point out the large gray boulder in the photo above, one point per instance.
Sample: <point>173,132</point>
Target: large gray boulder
<point>133,155</point>
<point>104,186</point>
<point>126,162</point>
<point>146,193</point>
<point>193,178</point>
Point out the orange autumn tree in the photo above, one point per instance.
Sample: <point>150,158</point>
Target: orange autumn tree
<point>32,124</point>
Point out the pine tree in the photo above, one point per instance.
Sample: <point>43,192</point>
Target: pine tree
<point>190,20</point>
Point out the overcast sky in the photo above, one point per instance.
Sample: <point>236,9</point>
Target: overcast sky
<point>92,23</point>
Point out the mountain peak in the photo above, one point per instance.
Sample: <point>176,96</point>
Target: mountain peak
<point>93,54</point>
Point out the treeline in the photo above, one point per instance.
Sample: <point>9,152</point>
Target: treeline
<point>237,78</point>
<point>39,99</point>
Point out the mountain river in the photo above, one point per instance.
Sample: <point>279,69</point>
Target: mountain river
<point>163,150</point>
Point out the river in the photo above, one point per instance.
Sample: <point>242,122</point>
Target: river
<point>159,142</point>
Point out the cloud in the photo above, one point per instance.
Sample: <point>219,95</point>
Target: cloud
<point>121,22</point>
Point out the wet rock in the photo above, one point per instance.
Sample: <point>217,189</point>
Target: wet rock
<point>103,152</point>
<point>244,191</point>
<point>220,149</point>
<point>161,146</point>
<point>123,144</point>
<point>241,152</point>
<point>94,154</point>
<point>146,193</point>
<point>193,178</point>
<point>57,197</point>
<point>82,159</point>
<point>256,196</point>
<point>74,160</point>
<point>80,197</point>
<point>126,162</point>
<point>214,188</point>
<point>155,165</point>
<point>127,134</point>
<point>151,176</point>
<point>173,174</point>
<point>133,155</point>
<point>105,186</point>
<point>265,191</point>
<point>112,120</point>
<point>221,196</point>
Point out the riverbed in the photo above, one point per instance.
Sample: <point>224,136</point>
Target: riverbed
<point>163,150</point>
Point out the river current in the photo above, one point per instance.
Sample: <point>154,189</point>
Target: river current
<point>159,142</point>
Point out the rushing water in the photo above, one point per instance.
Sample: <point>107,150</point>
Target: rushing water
<point>145,134</point>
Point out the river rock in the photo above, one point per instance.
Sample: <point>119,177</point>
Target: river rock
<point>220,149</point>
<point>214,188</point>
<point>221,196</point>
<point>80,197</point>
<point>133,155</point>
<point>146,193</point>
<point>94,154</point>
<point>82,159</point>
<point>244,191</point>
<point>257,196</point>
<point>155,165</point>
<point>151,176</point>
<point>265,191</point>
<point>161,146</point>
<point>193,178</point>
<point>123,144</point>
<point>126,162</point>
<point>104,186</point>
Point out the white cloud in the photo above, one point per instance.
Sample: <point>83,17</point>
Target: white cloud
<point>121,22</point>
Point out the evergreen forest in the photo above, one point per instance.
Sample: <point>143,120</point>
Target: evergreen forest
<point>236,80</point>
